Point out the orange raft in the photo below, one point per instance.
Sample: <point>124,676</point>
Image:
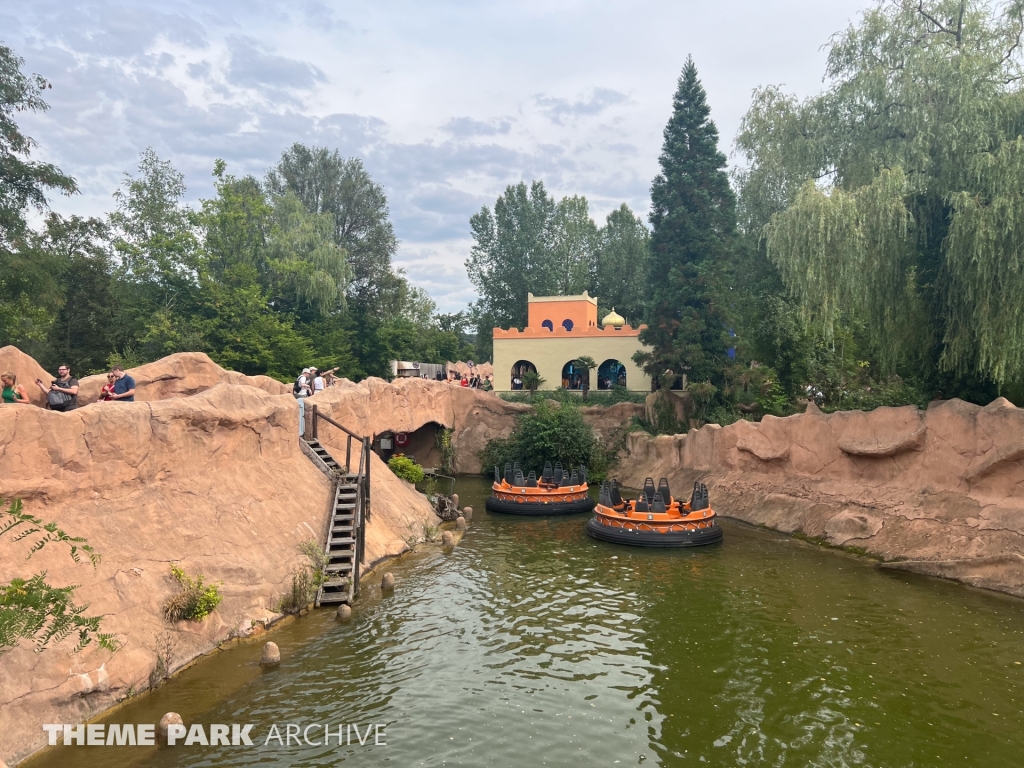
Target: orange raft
<point>556,492</point>
<point>655,519</point>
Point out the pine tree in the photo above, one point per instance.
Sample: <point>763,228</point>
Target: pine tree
<point>693,215</point>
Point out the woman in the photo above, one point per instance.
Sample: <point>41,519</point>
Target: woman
<point>13,392</point>
<point>107,391</point>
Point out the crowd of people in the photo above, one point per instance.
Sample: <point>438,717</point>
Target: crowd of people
<point>62,392</point>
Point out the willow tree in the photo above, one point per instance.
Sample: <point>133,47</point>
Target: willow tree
<point>896,197</point>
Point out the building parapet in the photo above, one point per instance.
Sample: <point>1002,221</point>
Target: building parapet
<point>560,332</point>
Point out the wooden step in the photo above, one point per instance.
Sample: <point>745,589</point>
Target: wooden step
<point>346,541</point>
<point>338,568</point>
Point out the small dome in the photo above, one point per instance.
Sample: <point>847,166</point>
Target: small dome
<point>614,319</point>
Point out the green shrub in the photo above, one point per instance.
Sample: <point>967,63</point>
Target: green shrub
<point>550,433</point>
<point>306,578</point>
<point>406,469</point>
<point>195,601</point>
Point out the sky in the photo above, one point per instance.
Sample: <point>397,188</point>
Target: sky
<point>447,102</point>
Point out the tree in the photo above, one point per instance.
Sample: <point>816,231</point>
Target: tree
<point>892,199</point>
<point>621,278</point>
<point>512,256</point>
<point>693,216</point>
<point>29,292</point>
<point>587,363</point>
<point>23,182</point>
<point>574,246</point>
<point>326,182</point>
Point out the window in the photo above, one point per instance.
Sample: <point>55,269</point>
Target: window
<point>548,324</point>
<point>567,324</point>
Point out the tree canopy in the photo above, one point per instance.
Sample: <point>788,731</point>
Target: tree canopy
<point>892,199</point>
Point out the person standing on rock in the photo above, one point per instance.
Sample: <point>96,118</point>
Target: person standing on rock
<point>124,386</point>
<point>107,389</point>
<point>62,394</point>
<point>301,387</point>
<point>13,392</point>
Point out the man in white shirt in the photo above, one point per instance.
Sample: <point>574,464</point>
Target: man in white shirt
<point>301,388</point>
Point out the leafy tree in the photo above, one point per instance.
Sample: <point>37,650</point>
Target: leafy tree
<point>622,273</point>
<point>574,246</point>
<point>32,609</point>
<point>890,201</point>
<point>30,294</point>
<point>512,256</point>
<point>326,182</point>
<point>23,182</point>
<point>550,432</point>
<point>693,219</point>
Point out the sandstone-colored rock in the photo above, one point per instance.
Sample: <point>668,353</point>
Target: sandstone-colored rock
<point>945,485</point>
<point>170,718</point>
<point>455,500</point>
<point>447,539</point>
<point>216,482</point>
<point>467,513</point>
<point>271,654</point>
<point>179,375</point>
<point>27,370</point>
<point>460,523</point>
<point>344,612</point>
<point>388,581</point>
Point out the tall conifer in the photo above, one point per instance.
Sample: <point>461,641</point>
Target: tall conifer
<point>693,215</point>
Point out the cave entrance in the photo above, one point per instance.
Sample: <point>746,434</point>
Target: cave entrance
<point>420,445</point>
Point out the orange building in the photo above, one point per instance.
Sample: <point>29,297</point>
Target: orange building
<point>560,330</point>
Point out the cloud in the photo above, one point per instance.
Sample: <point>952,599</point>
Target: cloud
<point>252,67</point>
<point>465,127</point>
<point>558,109</point>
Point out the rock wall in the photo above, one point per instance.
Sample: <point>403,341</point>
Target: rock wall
<point>939,491</point>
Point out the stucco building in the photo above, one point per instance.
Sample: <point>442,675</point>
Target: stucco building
<point>561,329</point>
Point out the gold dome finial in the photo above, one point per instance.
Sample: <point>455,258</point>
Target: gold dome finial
<point>614,319</point>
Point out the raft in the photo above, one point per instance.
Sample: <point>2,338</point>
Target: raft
<point>655,518</point>
<point>556,492</point>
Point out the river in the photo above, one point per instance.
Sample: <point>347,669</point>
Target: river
<point>531,644</point>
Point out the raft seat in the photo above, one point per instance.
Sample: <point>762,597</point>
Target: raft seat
<point>531,479</point>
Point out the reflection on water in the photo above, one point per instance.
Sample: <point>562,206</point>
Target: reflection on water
<point>531,644</point>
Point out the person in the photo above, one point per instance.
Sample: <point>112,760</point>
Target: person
<point>301,387</point>
<point>107,389</point>
<point>124,386</point>
<point>13,392</point>
<point>464,382</point>
<point>62,394</point>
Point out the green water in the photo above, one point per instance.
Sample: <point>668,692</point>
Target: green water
<point>531,644</point>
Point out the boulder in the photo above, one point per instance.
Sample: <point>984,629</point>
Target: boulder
<point>271,655</point>
<point>170,718</point>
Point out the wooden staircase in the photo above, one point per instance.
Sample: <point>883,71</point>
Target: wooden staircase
<point>350,512</point>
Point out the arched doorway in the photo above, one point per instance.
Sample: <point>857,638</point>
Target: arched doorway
<point>519,370</point>
<point>575,377</point>
<point>611,374</point>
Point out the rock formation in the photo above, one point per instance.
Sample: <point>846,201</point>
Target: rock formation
<point>937,491</point>
<point>27,370</point>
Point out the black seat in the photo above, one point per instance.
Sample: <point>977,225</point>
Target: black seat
<point>516,467</point>
<point>616,497</point>
<point>497,474</point>
<point>583,475</point>
<point>695,497</point>
<point>641,504</point>
<point>705,499</point>
<point>649,490</point>
<point>664,491</point>
<point>659,503</point>
<point>531,479</point>
<point>574,479</point>
<point>509,476</point>
<point>556,477</point>
<point>547,474</point>
<point>518,479</point>
<point>603,496</point>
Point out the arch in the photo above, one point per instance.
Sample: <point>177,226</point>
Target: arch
<point>610,374</point>
<point>567,324</point>
<point>519,369</point>
<point>548,324</point>
<point>574,377</point>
